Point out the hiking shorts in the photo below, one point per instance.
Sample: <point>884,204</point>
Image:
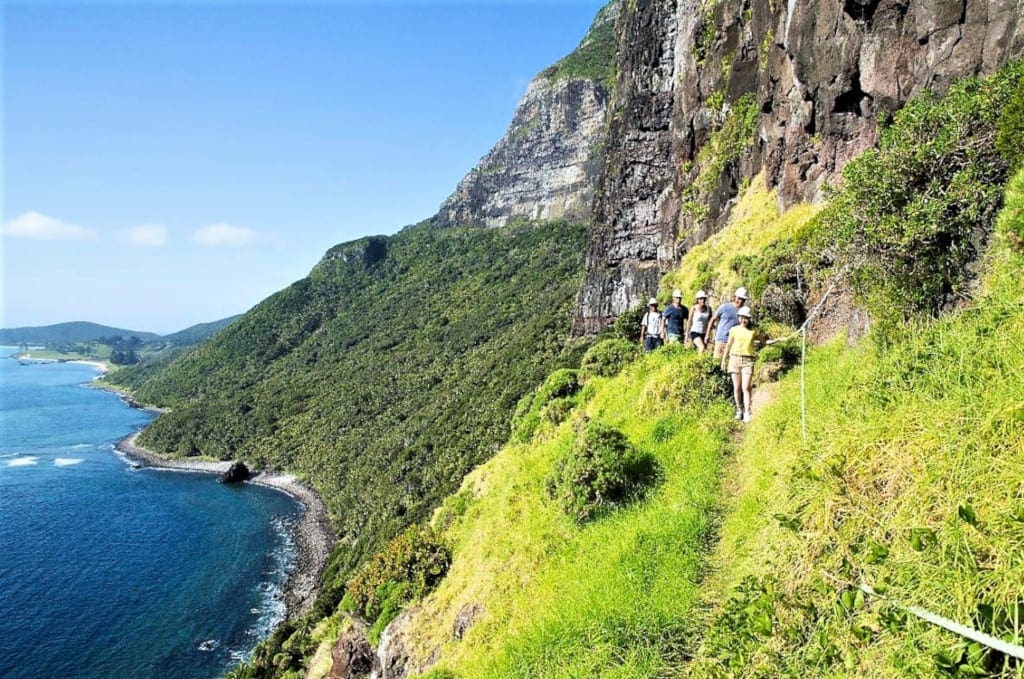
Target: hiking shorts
<point>719,349</point>
<point>672,338</point>
<point>651,343</point>
<point>694,336</point>
<point>743,365</point>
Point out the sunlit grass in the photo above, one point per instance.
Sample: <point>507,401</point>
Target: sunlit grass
<point>911,481</point>
<point>611,597</point>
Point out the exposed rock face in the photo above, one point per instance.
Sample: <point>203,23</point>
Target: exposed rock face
<point>236,473</point>
<point>546,165</point>
<point>353,657</point>
<point>822,74</point>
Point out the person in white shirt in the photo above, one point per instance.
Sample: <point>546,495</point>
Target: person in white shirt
<point>652,331</point>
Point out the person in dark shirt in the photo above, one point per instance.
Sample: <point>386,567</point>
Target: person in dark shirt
<point>675,318</point>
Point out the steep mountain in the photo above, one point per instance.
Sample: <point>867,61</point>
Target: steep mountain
<point>68,333</point>
<point>546,165</point>
<point>630,527</point>
<point>713,93</point>
<point>685,143</point>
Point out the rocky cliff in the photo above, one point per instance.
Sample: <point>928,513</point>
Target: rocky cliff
<point>711,93</point>
<point>546,165</point>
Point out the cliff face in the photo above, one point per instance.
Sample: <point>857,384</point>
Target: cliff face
<point>821,76</point>
<point>546,165</point>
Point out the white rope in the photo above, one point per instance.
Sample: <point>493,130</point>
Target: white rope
<point>803,384</point>
<point>1003,647</point>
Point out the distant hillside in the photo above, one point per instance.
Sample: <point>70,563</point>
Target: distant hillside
<point>385,375</point>
<point>199,332</point>
<point>69,333</point>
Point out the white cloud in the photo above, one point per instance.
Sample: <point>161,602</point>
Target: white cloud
<point>147,235</point>
<point>226,235</point>
<point>40,227</point>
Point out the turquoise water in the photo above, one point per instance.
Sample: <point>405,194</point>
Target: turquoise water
<point>107,571</point>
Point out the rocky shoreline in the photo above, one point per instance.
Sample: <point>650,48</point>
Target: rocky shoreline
<point>312,533</point>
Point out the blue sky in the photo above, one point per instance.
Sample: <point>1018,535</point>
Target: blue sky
<point>171,163</point>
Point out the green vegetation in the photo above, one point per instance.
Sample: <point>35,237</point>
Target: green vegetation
<point>608,357</point>
<point>404,570</point>
<point>382,378</point>
<point>611,596</point>
<point>551,402</point>
<point>909,482</point>
<point>594,59</point>
<point>602,471</point>
<point>913,214</point>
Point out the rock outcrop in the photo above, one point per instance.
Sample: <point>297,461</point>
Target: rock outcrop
<point>236,473</point>
<point>546,165</point>
<point>821,76</point>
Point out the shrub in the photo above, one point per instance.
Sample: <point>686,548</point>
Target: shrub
<point>1011,221</point>
<point>406,569</point>
<point>607,358</point>
<point>627,325</point>
<point>1010,131</point>
<point>601,471</point>
<point>912,214</point>
<point>551,402</point>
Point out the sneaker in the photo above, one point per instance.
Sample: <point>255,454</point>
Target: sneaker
<point>746,416</point>
<point>739,414</point>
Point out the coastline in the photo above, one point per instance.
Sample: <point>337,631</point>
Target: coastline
<point>312,533</point>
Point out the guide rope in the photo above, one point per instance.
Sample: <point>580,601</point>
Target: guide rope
<point>1004,647</point>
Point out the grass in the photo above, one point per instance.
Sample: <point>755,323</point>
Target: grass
<point>910,481</point>
<point>611,597</point>
<point>754,224</point>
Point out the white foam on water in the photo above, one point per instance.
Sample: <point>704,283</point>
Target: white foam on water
<point>23,461</point>
<point>66,461</point>
<point>209,645</point>
<point>79,446</point>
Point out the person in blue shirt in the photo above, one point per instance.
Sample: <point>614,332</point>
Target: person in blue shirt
<point>724,320</point>
<point>674,317</point>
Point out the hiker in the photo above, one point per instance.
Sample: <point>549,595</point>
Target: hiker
<point>740,353</point>
<point>725,319</point>
<point>651,327</point>
<point>699,317</point>
<point>675,319</point>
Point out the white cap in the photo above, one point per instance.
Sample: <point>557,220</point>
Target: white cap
<point>700,294</point>
<point>742,293</point>
<point>677,293</point>
<point>651,301</point>
<point>743,311</point>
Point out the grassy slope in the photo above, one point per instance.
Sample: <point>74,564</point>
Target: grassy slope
<point>614,597</point>
<point>754,225</point>
<point>910,480</point>
<point>611,597</point>
<point>900,445</point>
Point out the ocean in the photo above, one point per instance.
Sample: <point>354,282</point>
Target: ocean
<point>106,571</point>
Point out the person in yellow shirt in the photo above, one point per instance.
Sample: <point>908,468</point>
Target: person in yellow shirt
<point>740,354</point>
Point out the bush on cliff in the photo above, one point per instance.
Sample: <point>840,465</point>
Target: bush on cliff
<point>551,402</point>
<point>407,568</point>
<point>607,358</point>
<point>601,471</point>
<point>913,214</point>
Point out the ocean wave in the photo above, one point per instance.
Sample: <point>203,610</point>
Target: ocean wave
<point>23,461</point>
<point>79,446</point>
<point>67,461</point>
